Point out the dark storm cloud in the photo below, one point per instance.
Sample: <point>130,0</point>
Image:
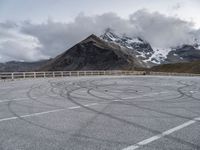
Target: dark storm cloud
<point>51,38</point>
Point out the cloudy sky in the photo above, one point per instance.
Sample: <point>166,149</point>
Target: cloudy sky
<point>31,30</point>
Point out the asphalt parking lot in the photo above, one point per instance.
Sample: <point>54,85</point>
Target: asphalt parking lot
<point>100,113</point>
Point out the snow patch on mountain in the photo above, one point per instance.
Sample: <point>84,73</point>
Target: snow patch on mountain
<point>159,55</point>
<point>134,40</point>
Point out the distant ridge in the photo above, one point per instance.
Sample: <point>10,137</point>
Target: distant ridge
<point>187,67</point>
<point>16,66</point>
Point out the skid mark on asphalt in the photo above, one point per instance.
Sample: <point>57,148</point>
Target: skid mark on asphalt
<point>140,96</point>
<point>75,101</point>
<point>16,99</point>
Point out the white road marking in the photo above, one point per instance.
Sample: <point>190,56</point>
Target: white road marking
<point>156,137</point>
<point>31,115</point>
<point>117,100</point>
<point>75,107</point>
<point>20,99</point>
<point>45,112</point>
<point>92,104</point>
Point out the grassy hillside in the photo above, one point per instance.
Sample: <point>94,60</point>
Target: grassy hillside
<point>191,67</point>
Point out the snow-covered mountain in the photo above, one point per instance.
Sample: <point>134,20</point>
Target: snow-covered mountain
<point>151,55</point>
<point>137,46</point>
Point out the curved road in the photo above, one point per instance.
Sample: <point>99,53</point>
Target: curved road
<point>101,113</point>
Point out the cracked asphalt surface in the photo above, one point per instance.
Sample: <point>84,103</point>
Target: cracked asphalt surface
<point>100,113</point>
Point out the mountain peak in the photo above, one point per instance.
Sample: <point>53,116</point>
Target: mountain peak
<point>109,35</point>
<point>92,36</point>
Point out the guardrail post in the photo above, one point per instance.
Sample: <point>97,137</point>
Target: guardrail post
<point>53,74</point>
<point>44,74</point>
<point>34,74</point>
<point>12,76</point>
<point>24,75</point>
<point>61,73</point>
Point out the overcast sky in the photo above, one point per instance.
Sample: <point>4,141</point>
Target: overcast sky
<point>39,29</point>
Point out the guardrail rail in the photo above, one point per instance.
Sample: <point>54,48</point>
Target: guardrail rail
<point>53,74</point>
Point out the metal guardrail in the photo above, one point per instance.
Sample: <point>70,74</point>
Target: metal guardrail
<point>26,75</point>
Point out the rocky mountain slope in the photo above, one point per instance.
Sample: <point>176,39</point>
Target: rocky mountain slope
<point>94,53</point>
<point>184,53</point>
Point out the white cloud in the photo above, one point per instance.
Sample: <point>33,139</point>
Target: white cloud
<point>177,6</point>
<point>29,41</point>
<point>15,45</point>
<point>162,31</point>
